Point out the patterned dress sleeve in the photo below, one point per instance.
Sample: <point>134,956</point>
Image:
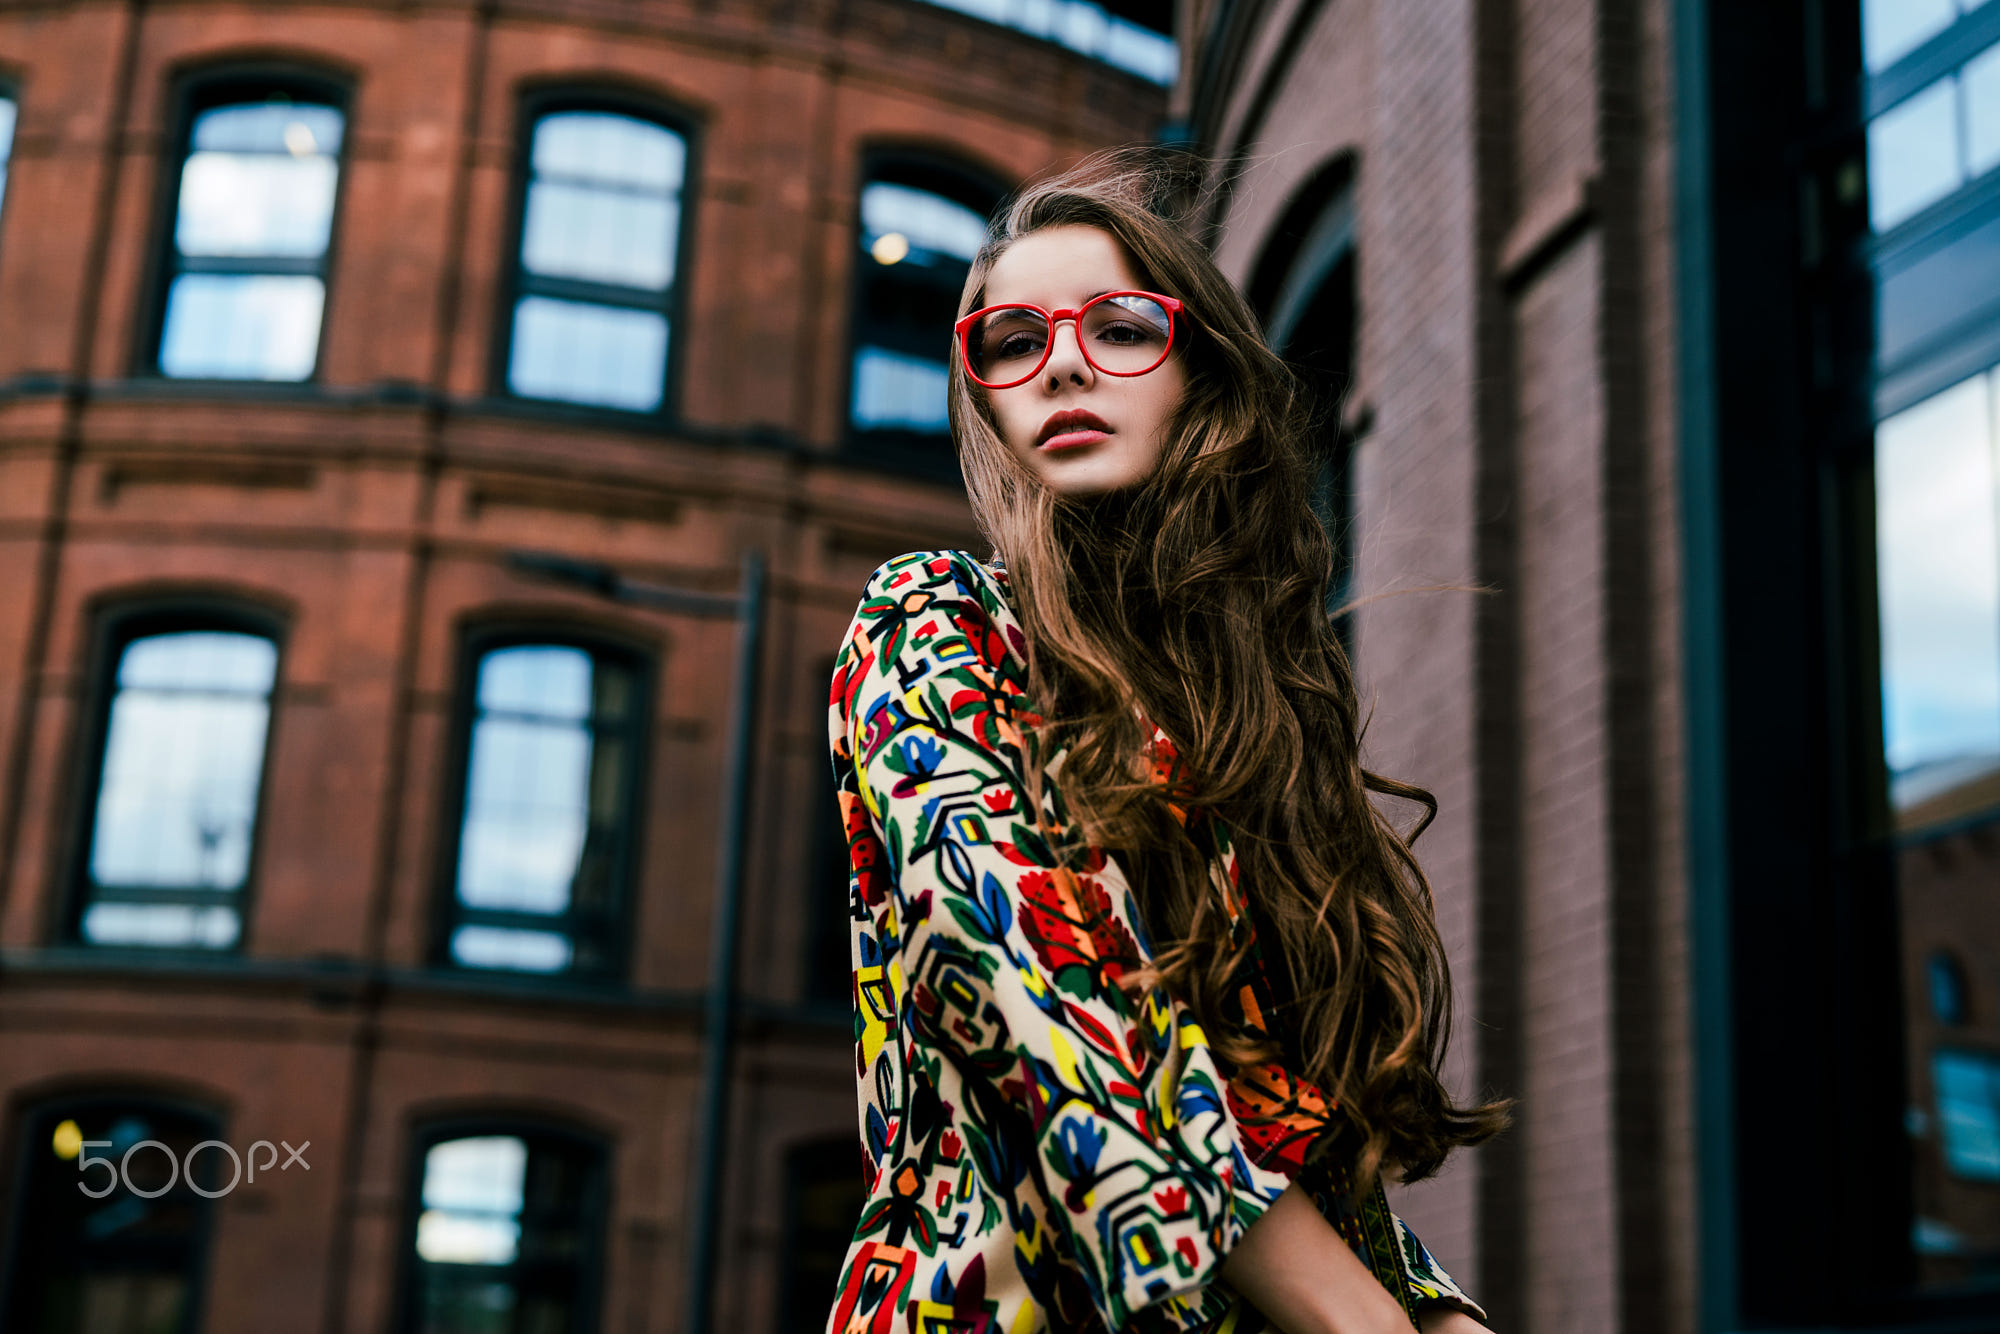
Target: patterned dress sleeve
<point>1428,1283</point>
<point>1012,960</point>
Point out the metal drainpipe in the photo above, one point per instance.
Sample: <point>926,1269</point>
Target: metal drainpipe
<point>719,1032</point>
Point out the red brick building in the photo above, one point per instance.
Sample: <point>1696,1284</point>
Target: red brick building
<point>330,820</point>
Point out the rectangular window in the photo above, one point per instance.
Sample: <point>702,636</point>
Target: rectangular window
<point>175,807</point>
<point>600,232</point>
<point>545,831</point>
<point>253,219</point>
<point>920,226</point>
<point>506,1236</point>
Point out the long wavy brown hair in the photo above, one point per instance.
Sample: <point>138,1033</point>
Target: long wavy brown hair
<point>1200,595</point>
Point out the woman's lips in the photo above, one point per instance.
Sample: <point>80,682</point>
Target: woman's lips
<point>1074,439</point>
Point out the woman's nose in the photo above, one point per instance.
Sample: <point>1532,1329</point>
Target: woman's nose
<point>1066,352</point>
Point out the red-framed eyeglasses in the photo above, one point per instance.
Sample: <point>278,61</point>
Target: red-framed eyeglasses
<point>1119,333</point>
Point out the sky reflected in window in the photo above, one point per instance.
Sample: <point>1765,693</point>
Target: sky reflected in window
<point>177,800</point>
<point>242,328</point>
<point>472,1196</point>
<point>603,206</point>
<point>258,184</point>
<point>544,823</point>
<point>581,353</point>
<point>895,391</point>
<point>1937,486</point>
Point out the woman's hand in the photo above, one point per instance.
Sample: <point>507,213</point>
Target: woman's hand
<point>1298,1271</point>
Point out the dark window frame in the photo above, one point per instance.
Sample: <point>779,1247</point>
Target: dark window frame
<point>114,628</point>
<point>600,1152</point>
<point>187,96</point>
<point>30,1119</point>
<point>921,454</point>
<point>516,282</point>
<point>475,641</point>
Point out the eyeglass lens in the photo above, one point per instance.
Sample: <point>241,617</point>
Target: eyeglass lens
<point>1120,334</point>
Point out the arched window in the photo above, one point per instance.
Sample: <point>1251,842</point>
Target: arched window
<point>111,1216</point>
<point>169,842</point>
<point>505,1232</point>
<point>1303,288</point>
<point>596,258</point>
<point>920,226</point>
<point>823,1202</point>
<point>246,263</point>
<point>554,736</point>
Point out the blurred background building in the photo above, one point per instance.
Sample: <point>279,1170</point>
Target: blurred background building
<point>328,334</point>
<point>414,420</point>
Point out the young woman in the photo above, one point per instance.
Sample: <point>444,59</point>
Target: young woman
<point>1148,993</point>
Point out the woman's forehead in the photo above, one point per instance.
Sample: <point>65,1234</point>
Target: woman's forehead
<point>1059,266</point>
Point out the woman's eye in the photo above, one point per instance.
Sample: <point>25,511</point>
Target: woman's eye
<point>1122,333</point>
<point>1018,345</point>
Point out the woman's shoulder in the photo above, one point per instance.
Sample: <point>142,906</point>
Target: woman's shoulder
<point>947,603</point>
<point>931,569</point>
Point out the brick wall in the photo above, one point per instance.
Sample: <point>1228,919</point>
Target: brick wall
<point>1515,266</point>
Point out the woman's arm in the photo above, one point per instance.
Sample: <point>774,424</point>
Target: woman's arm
<point>1297,1270</point>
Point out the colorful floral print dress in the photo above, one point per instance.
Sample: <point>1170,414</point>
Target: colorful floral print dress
<point>1034,1159</point>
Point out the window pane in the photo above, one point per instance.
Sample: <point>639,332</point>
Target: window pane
<point>603,203</point>
<point>897,391</point>
<point>1891,29</point>
<point>1981,80</point>
<point>503,947</point>
<point>525,814</point>
<point>177,800</point>
<point>6,143</point>
<point>1939,585</point>
<point>540,680</point>
<point>928,222</point>
<point>545,818</point>
<point>609,149</point>
<point>1968,1103</point>
<point>500,1240</point>
<point>251,327</point>
<point>268,127</point>
<point>255,204</point>
<point>1913,154</point>
<point>585,231</point>
<point>165,925</point>
<point>122,1264</point>
<point>588,354</point>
